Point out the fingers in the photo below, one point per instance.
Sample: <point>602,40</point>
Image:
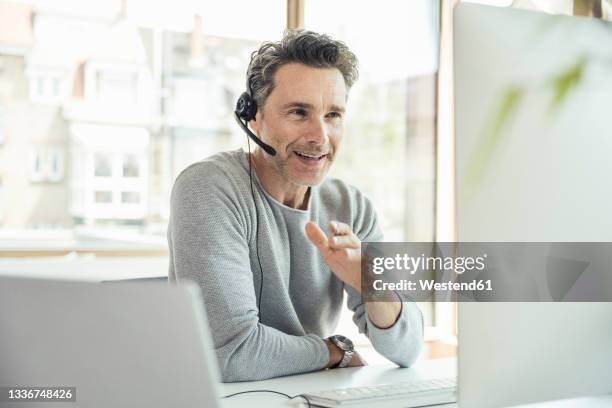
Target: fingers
<point>344,241</point>
<point>341,236</point>
<point>339,228</point>
<point>317,236</point>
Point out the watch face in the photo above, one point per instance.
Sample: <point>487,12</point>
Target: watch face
<point>343,342</point>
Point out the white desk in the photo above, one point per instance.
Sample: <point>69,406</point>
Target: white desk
<point>602,401</point>
<point>331,379</point>
<point>369,375</point>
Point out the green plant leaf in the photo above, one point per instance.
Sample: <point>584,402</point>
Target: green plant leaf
<point>492,133</point>
<point>565,82</point>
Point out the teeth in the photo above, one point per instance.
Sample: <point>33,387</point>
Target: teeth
<point>309,156</point>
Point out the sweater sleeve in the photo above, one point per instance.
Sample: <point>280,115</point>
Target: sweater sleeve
<point>208,239</point>
<point>402,342</point>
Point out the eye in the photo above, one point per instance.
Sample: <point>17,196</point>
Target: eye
<point>300,112</point>
<point>334,115</point>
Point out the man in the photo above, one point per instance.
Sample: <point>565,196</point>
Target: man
<point>274,244</point>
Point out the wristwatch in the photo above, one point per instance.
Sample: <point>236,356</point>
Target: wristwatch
<point>345,344</point>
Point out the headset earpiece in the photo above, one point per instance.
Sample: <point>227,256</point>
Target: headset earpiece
<point>246,107</point>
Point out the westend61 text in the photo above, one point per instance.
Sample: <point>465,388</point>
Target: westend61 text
<point>431,284</point>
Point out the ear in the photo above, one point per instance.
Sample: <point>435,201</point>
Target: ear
<point>255,124</point>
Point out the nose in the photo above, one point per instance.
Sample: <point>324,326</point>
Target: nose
<point>318,132</point>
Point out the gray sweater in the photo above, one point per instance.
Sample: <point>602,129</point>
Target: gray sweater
<point>212,240</point>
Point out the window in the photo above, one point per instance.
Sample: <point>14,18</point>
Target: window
<point>130,197</point>
<point>55,163</point>
<point>40,87</point>
<point>37,158</point>
<point>56,87</point>
<point>121,166</point>
<point>131,167</point>
<point>46,88</point>
<point>103,165</point>
<point>103,197</point>
<point>47,164</point>
<point>119,187</point>
<point>109,158</point>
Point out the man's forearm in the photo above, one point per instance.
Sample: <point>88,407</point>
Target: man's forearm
<point>267,353</point>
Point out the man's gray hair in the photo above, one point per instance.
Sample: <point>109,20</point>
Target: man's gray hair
<point>298,46</point>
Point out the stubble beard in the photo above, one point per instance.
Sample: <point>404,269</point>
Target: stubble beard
<point>282,168</point>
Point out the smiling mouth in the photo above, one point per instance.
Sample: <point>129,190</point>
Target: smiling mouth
<point>310,157</point>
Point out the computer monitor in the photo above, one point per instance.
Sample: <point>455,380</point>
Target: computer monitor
<point>533,139</point>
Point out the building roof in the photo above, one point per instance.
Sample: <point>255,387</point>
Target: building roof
<point>16,29</point>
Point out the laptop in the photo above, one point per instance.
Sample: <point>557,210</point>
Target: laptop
<point>132,344</point>
<point>118,344</point>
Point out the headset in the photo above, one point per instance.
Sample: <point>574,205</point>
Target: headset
<point>246,108</point>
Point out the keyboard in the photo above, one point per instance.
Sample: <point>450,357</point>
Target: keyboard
<point>410,394</point>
